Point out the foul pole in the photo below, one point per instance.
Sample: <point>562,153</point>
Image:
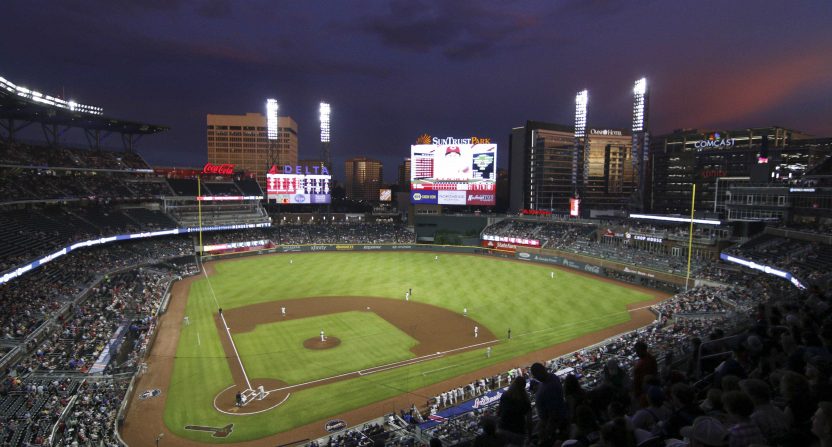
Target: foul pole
<point>199,209</point>
<point>690,233</point>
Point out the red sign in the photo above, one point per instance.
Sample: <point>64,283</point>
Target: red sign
<point>501,246</point>
<point>574,207</point>
<point>480,198</point>
<point>713,173</point>
<point>536,212</point>
<point>223,169</point>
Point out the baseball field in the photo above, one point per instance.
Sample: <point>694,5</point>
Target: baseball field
<point>379,351</point>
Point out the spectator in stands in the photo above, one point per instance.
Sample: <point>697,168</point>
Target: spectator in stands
<point>515,412</point>
<point>655,413</point>
<point>800,407</point>
<point>551,408</point>
<point>685,410</point>
<point>704,432</point>
<point>744,432</point>
<point>769,418</point>
<point>822,424</point>
<point>584,431</point>
<point>644,367</point>
<point>489,436</point>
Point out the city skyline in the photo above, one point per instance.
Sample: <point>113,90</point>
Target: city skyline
<point>395,70</point>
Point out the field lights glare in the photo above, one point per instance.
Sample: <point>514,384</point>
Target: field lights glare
<point>325,111</point>
<point>581,101</point>
<point>271,118</point>
<point>640,87</point>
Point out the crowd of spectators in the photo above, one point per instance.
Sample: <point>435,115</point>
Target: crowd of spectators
<point>21,154</point>
<point>807,260</point>
<point>683,381</point>
<point>589,239</point>
<point>29,301</point>
<point>34,392</point>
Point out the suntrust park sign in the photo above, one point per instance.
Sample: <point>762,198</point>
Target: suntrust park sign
<point>427,139</point>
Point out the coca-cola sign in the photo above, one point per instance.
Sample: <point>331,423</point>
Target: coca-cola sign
<point>223,169</point>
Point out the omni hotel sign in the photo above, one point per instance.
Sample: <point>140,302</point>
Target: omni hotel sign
<point>606,132</point>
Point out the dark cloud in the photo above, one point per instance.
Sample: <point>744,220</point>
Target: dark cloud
<point>215,9</point>
<point>458,30</point>
<point>395,69</point>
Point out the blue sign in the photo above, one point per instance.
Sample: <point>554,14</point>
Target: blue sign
<point>429,197</point>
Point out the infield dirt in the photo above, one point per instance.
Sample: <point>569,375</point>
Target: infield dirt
<point>144,418</point>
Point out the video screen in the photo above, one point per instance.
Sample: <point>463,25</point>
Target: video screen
<point>454,174</point>
<point>298,188</point>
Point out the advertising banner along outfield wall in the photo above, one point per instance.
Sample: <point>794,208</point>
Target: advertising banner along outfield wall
<point>453,174</point>
<point>577,265</point>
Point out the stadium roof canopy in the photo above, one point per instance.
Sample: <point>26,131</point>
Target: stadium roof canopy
<point>21,107</point>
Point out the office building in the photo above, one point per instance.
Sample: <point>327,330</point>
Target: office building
<point>716,159</point>
<point>363,179</point>
<point>242,140</point>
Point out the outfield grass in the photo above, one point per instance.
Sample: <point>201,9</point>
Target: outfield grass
<point>499,294</point>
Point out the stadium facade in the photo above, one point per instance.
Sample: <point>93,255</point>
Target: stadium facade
<point>712,158</point>
<point>242,140</point>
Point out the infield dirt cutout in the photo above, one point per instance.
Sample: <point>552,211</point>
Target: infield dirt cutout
<point>316,343</point>
<point>436,329</point>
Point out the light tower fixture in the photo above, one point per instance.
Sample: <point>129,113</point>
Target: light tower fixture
<point>639,104</point>
<point>325,111</point>
<point>581,101</point>
<point>271,118</point>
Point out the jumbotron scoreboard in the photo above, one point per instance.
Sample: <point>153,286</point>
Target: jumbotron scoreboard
<point>453,171</point>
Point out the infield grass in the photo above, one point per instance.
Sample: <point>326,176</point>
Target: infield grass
<point>276,350</point>
<point>499,294</point>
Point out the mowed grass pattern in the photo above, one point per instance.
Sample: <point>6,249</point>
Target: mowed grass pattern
<point>276,350</point>
<point>499,294</point>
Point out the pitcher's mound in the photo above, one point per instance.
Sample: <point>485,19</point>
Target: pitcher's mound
<point>316,343</point>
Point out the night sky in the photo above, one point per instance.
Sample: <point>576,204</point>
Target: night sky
<point>394,70</point>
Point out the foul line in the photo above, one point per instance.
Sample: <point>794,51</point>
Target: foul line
<point>227,331</point>
<point>584,321</point>
<point>389,366</point>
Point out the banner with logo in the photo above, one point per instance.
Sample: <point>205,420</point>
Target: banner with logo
<point>488,399</point>
<point>577,265</point>
<point>452,197</point>
<point>424,197</point>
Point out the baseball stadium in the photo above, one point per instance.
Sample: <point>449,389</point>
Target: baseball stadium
<point>146,305</point>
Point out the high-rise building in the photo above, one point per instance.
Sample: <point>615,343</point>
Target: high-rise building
<point>363,178</point>
<point>712,158</point>
<point>541,166</point>
<point>609,179</point>
<point>404,175</point>
<point>547,169</point>
<point>243,140</point>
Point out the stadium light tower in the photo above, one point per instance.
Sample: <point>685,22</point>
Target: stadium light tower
<point>579,165</point>
<point>325,114</point>
<point>581,102</point>
<point>641,141</point>
<point>272,131</point>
